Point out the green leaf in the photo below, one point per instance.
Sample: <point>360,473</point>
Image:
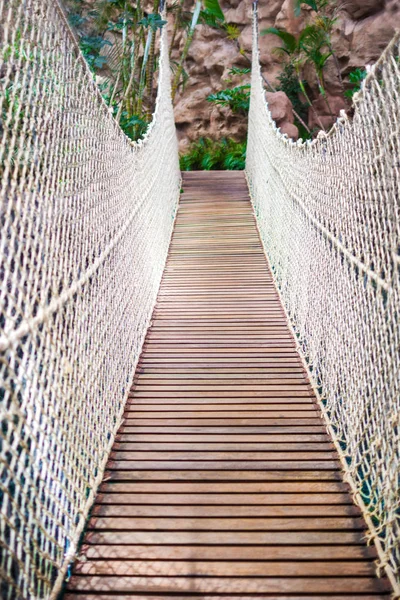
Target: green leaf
<point>213,7</point>
<point>207,18</point>
<point>99,62</point>
<point>297,7</point>
<point>154,21</point>
<point>237,99</point>
<point>288,39</point>
<point>357,75</point>
<point>239,71</point>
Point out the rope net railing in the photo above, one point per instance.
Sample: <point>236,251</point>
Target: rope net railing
<point>329,216</point>
<point>86,218</point>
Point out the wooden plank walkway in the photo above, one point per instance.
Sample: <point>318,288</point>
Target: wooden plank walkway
<point>222,482</point>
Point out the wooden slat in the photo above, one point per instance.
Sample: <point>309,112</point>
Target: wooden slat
<point>167,568</point>
<point>199,552</point>
<point>225,524</point>
<point>189,596</point>
<point>222,482</point>
<point>227,585</point>
<point>324,511</point>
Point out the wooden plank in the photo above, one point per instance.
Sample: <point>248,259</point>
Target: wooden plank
<point>173,596</point>
<point>206,511</point>
<point>310,487</point>
<point>298,421</point>
<point>231,585</point>
<point>225,524</point>
<point>223,499</point>
<point>231,430</point>
<point>184,474</point>
<point>221,447</point>
<point>167,568</point>
<point>236,538</point>
<point>227,465</point>
<point>122,455</point>
<point>243,438</point>
<point>198,552</point>
<point>222,482</point>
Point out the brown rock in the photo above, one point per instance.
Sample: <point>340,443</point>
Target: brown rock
<point>362,31</point>
<point>280,107</point>
<point>290,130</point>
<point>358,9</point>
<point>371,36</point>
<point>282,112</point>
<point>336,103</point>
<point>286,19</point>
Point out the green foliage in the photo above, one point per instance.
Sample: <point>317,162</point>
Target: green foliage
<point>235,71</point>
<point>290,42</point>
<point>212,14</point>
<point>232,31</point>
<point>356,78</point>
<point>311,46</point>
<point>153,21</point>
<point>91,47</point>
<point>128,78</point>
<point>208,19</point>
<point>214,9</point>
<point>289,83</point>
<point>214,155</point>
<point>133,126</point>
<point>239,71</point>
<point>237,99</point>
<point>315,5</point>
<point>76,20</point>
<point>207,12</point>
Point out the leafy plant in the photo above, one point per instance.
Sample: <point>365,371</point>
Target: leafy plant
<point>210,13</point>
<point>237,99</point>
<point>207,154</point>
<point>213,8</point>
<point>91,47</point>
<point>232,31</point>
<point>289,83</point>
<point>239,71</point>
<point>127,69</point>
<point>296,49</point>
<point>316,5</point>
<point>356,78</point>
<point>315,46</point>
<point>325,22</point>
<point>188,43</point>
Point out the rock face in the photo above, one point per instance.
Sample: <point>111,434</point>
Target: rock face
<point>282,112</point>
<point>362,31</point>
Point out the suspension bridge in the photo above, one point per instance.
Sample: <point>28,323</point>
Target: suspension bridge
<point>200,376</point>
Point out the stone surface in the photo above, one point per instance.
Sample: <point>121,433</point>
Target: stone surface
<point>336,104</point>
<point>358,9</point>
<point>280,107</point>
<point>362,31</point>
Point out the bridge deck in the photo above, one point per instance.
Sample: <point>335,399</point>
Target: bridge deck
<point>222,482</point>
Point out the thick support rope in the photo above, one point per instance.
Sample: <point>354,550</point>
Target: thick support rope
<point>86,219</point>
<point>329,215</point>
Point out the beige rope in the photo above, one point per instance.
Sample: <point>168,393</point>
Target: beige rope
<point>329,216</point>
<point>85,223</point>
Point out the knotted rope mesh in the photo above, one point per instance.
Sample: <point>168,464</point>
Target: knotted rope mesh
<point>328,212</point>
<point>86,218</point>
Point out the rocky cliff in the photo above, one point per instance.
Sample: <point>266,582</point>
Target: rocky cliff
<point>362,30</point>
